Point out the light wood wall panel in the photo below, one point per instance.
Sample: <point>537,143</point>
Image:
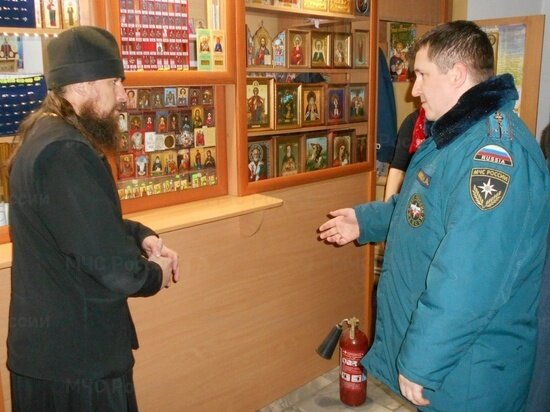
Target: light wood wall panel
<point>257,295</point>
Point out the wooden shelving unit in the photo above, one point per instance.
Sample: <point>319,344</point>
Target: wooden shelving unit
<point>282,18</point>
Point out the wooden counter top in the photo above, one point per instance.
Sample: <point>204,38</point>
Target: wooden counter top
<point>167,219</point>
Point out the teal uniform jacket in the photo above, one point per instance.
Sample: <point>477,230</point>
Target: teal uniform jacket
<point>466,241</point>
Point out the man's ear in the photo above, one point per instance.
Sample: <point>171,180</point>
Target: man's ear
<point>459,74</point>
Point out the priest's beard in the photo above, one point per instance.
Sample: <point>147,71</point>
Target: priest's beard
<point>103,131</point>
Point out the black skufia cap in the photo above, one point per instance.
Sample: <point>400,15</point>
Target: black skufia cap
<point>82,54</point>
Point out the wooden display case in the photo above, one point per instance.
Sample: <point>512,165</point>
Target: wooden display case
<point>299,23</point>
<point>201,18</point>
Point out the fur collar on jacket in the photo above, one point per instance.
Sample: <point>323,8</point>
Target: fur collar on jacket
<point>474,105</point>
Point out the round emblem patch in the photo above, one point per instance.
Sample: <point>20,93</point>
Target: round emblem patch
<point>415,211</point>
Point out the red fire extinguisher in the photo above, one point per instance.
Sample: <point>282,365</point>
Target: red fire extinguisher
<point>353,346</point>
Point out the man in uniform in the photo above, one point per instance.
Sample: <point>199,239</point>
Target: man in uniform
<point>457,298</point>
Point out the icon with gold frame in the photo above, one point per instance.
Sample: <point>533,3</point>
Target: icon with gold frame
<point>279,50</point>
<point>298,48</point>
<point>71,13</point>
<point>51,10</point>
<point>288,155</point>
<point>317,5</point>
<point>320,49</point>
<point>259,160</point>
<point>360,144</point>
<point>336,104</point>
<point>357,104</point>
<point>341,147</point>
<point>340,6</point>
<point>317,152</point>
<point>288,105</point>
<point>287,3</point>
<point>262,47</point>
<point>361,49</point>
<point>258,103</point>
<point>341,50</point>
<point>313,112</point>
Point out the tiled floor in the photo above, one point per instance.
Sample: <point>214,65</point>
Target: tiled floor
<point>323,395</point>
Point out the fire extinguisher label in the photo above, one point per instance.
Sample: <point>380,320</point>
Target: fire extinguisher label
<point>353,378</point>
<point>350,368</point>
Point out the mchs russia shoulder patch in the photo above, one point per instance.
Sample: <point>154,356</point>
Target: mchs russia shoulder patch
<point>488,187</point>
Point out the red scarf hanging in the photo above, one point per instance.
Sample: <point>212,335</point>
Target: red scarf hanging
<point>419,134</point>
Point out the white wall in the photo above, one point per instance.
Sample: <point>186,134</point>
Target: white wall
<point>488,9</point>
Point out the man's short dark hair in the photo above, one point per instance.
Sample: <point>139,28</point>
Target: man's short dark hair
<point>459,41</point>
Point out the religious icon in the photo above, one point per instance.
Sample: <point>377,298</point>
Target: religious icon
<point>51,13</point>
<point>320,49</point>
<point>258,103</point>
<point>262,45</point>
<point>342,50</point>
<point>298,53</point>
<point>288,103</point>
<point>357,105</point>
<point>361,49</point>
<point>316,148</point>
<point>313,110</point>
<point>341,148</point>
<point>336,101</point>
<point>71,14</point>
<point>288,156</point>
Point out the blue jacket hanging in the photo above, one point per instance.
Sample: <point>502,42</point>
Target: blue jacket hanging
<point>387,118</point>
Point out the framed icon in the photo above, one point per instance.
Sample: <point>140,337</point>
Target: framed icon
<point>132,100</point>
<point>135,123</point>
<point>320,49</point>
<point>359,145</point>
<point>123,122</point>
<point>126,167</point>
<point>340,6</point>
<point>357,104</point>
<point>161,121</point>
<point>52,14</point>
<point>142,163</point>
<point>341,147</point>
<point>298,48</point>
<point>287,3</point>
<point>157,98</point>
<point>279,50</point>
<point>260,154</point>
<point>169,96</point>
<point>362,7</point>
<point>361,49</point>
<point>262,48</point>
<point>144,99</point>
<point>124,142</point>
<point>195,95</point>
<point>313,112</point>
<point>197,113</point>
<point>71,14</point>
<point>207,95</point>
<point>317,5</point>
<point>341,50</point>
<point>288,155</point>
<point>183,96</point>
<point>317,152</point>
<point>287,103</point>
<point>336,104</point>
<point>258,103</point>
